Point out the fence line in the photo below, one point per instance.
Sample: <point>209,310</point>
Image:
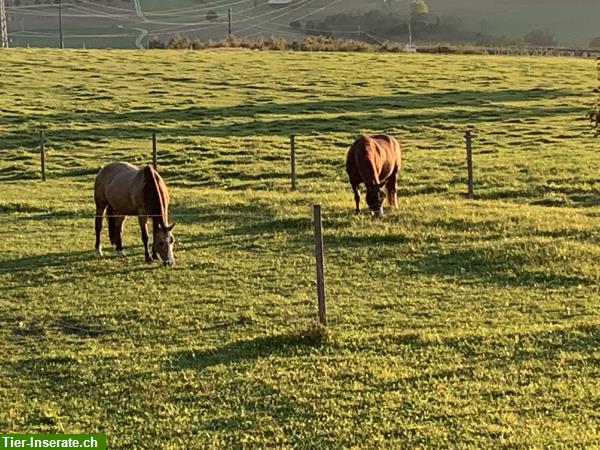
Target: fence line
<point>266,218</point>
<point>68,215</point>
<point>16,215</point>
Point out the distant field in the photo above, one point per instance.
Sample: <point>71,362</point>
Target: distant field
<point>454,323</point>
<point>573,23</point>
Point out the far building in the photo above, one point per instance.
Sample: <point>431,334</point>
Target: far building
<point>280,2</point>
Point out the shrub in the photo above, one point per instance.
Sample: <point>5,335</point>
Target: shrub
<point>212,15</point>
<point>276,43</point>
<point>156,43</point>
<point>180,42</point>
<point>328,44</point>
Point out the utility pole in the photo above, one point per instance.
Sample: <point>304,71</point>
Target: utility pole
<point>62,42</point>
<point>229,15</point>
<point>3,27</point>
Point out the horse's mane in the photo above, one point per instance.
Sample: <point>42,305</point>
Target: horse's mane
<point>152,197</point>
<point>367,158</point>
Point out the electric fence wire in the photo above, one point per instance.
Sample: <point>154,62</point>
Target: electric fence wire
<point>201,26</point>
<point>249,29</point>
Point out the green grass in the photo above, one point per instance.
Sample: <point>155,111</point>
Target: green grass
<point>454,323</point>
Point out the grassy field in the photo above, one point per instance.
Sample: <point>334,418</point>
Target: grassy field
<point>454,323</point>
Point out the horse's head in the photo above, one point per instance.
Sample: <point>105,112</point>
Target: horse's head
<point>375,196</point>
<point>163,244</point>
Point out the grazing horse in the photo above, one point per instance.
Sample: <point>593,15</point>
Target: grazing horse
<point>124,190</point>
<point>375,161</point>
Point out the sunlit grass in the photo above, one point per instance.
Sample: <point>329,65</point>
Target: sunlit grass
<point>453,322</point>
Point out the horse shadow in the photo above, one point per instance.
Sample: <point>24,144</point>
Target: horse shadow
<point>51,259</point>
<point>496,267</point>
<point>237,221</point>
<point>36,269</point>
<point>246,351</point>
<point>550,196</point>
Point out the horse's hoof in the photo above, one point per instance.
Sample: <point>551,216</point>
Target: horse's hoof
<point>120,254</point>
<point>98,253</point>
<point>148,259</point>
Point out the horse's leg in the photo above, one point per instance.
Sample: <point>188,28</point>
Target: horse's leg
<point>143,221</point>
<point>356,195</point>
<point>154,229</point>
<point>98,222</point>
<point>118,223</point>
<point>111,218</point>
<point>391,189</point>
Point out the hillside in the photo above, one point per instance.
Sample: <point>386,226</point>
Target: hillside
<point>127,23</point>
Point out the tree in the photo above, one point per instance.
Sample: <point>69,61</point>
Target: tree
<point>595,112</point>
<point>595,43</point>
<point>212,16</point>
<point>179,42</point>
<point>418,11</point>
<point>156,43</point>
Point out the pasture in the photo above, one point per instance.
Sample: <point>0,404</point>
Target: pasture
<point>452,322</point>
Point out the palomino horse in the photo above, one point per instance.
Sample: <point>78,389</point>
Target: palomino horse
<point>124,190</point>
<point>375,161</point>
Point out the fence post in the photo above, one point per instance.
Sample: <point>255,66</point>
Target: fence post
<point>468,138</point>
<point>154,149</point>
<point>320,266</point>
<point>293,160</point>
<point>42,155</point>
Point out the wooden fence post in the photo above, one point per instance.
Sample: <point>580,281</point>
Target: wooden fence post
<point>154,150</point>
<point>320,266</point>
<point>42,155</point>
<point>293,160</point>
<point>468,138</point>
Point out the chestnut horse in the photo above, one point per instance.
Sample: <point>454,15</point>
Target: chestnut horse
<point>375,161</point>
<point>124,190</point>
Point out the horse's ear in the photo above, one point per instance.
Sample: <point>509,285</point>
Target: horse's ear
<point>170,227</point>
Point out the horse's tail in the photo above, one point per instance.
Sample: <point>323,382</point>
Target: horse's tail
<point>112,224</point>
